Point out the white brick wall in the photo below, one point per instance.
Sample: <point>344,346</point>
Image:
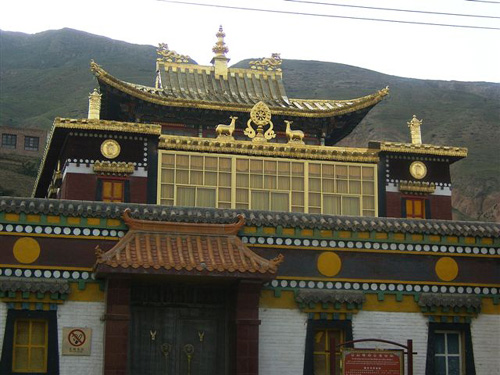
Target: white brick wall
<point>82,314</point>
<point>3,318</point>
<point>397,327</point>
<point>485,330</point>
<point>282,339</point>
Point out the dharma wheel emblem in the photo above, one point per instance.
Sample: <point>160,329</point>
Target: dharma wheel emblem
<point>110,148</point>
<point>418,170</point>
<point>260,115</point>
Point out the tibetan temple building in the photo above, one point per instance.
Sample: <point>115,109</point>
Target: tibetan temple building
<point>210,225</point>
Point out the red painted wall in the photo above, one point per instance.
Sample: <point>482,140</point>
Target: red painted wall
<point>440,206</point>
<point>81,186</point>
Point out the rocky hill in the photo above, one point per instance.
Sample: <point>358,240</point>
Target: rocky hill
<point>47,75</point>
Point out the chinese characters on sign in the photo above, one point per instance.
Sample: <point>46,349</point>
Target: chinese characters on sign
<point>372,362</point>
<point>76,341</point>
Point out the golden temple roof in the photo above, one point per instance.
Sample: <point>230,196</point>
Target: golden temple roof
<point>191,85</point>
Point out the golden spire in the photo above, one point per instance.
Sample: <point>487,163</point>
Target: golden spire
<point>414,125</point>
<point>220,48</point>
<point>220,60</point>
<point>94,105</point>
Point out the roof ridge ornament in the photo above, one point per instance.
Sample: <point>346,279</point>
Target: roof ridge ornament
<point>167,55</point>
<point>414,125</point>
<point>267,63</point>
<point>220,60</point>
<point>260,115</point>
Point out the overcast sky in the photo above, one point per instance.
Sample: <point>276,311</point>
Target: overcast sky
<point>408,50</point>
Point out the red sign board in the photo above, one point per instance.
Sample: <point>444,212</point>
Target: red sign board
<point>372,362</point>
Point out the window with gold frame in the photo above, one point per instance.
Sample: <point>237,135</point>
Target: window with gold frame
<point>260,183</point>
<point>317,359</point>
<point>30,346</point>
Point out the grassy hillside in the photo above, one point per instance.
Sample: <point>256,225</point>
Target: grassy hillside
<point>47,75</point>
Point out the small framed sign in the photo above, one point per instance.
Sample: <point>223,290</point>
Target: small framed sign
<point>76,341</point>
<point>372,362</point>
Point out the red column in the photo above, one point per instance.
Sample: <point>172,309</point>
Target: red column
<point>247,327</point>
<point>117,326</point>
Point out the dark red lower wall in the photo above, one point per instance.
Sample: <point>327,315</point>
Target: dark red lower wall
<point>81,186</point>
<point>440,206</point>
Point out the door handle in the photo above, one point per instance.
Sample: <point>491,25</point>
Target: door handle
<point>189,351</point>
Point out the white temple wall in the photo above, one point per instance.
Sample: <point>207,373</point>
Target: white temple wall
<point>282,340</point>
<point>86,315</point>
<point>485,331</point>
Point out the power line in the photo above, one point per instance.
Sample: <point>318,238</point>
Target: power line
<point>326,15</point>
<point>391,9</point>
<point>484,1</point>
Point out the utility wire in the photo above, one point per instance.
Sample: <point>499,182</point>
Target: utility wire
<point>326,15</point>
<point>391,9</point>
<point>484,1</point>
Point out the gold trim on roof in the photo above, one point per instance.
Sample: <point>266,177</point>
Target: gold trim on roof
<point>284,150</point>
<point>267,63</point>
<point>309,108</point>
<point>113,168</point>
<point>423,149</point>
<point>90,124</point>
<point>167,55</point>
<point>417,186</point>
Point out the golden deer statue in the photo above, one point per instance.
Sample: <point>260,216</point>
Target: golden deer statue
<point>226,131</point>
<point>294,136</point>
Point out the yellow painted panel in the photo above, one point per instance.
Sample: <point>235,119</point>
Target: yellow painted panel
<point>289,231</point>
<point>112,222</point>
<point>91,293</point>
<point>307,232</point>
<point>452,239</point>
<point>269,230</point>
<point>389,303</point>
<point>12,217</point>
<point>488,307</point>
<point>33,218</point>
<point>470,240</point>
<point>364,235</point>
<point>381,236</point>
<point>93,221</point>
<point>326,233</point>
<point>73,220</point>
<point>399,236</point>
<point>250,230</point>
<point>417,237</point>
<point>53,219</point>
<point>286,301</point>
<point>487,241</point>
<point>435,238</point>
<point>345,234</point>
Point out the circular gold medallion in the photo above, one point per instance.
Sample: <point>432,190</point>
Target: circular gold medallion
<point>26,250</point>
<point>329,264</point>
<point>446,269</point>
<point>110,148</point>
<point>260,114</point>
<point>418,170</point>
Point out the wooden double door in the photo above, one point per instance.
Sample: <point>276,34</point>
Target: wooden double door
<point>186,340</point>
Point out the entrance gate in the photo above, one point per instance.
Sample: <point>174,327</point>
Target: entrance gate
<point>182,339</point>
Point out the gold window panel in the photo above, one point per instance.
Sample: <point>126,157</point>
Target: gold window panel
<point>30,346</point>
<point>259,183</point>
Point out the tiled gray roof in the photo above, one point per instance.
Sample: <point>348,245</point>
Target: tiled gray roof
<point>449,300</point>
<point>26,284</point>
<point>257,218</point>
<point>329,296</point>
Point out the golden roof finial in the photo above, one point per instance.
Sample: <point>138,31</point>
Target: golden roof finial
<point>220,48</point>
<point>414,125</point>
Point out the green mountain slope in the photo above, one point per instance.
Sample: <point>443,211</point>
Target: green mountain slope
<point>47,75</point>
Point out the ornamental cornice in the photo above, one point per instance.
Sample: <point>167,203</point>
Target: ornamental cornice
<point>93,124</point>
<point>295,151</point>
<point>417,186</point>
<point>423,149</point>
<point>113,168</point>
